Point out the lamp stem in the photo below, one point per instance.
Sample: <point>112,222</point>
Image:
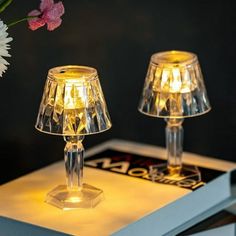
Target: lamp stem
<point>74,162</point>
<point>174,145</point>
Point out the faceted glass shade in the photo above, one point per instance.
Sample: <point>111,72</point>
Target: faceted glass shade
<point>174,86</point>
<point>73,103</point>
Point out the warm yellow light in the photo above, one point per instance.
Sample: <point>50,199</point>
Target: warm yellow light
<point>74,199</point>
<point>165,79</point>
<point>75,97</point>
<point>73,102</point>
<point>74,75</point>
<point>174,75</point>
<point>175,84</point>
<point>174,58</point>
<point>171,81</point>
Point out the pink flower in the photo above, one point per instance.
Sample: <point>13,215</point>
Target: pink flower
<point>50,13</point>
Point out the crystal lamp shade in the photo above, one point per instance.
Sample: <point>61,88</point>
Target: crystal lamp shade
<point>73,103</point>
<point>174,86</point>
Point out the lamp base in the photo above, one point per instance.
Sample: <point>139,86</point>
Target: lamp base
<point>87,197</point>
<point>186,177</point>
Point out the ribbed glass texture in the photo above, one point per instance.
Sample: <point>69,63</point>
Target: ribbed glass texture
<point>174,86</point>
<point>73,103</point>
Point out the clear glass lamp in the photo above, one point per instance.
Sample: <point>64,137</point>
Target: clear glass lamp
<point>73,106</point>
<point>174,89</point>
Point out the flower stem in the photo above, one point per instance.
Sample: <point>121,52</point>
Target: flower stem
<point>20,20</point>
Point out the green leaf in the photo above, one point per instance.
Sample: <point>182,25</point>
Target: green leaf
<point>4,4</point>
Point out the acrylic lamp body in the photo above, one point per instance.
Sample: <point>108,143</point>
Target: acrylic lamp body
<point>174,89</point>
<point>73,106</point>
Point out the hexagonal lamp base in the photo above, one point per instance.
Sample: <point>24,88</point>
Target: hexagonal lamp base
<point>87,197</point>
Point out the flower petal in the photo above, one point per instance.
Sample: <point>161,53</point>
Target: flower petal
<point>51,25</point>
<point>36,23</point>
<point>46,4</point>
<point>54,12</point>
<point>4,46</point>
<point>59,8</point>
<point>34,13</point>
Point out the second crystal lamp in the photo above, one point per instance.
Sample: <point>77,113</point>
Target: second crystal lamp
<point>174,89</point>
<point>73,105</point>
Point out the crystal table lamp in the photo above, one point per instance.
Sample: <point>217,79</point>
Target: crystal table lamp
<point>73,105</point>
<point>174,89</point>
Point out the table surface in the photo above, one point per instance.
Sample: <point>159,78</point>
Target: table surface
<point>126,199</point>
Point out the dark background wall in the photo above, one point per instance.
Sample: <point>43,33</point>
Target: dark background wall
<point>118,38</point>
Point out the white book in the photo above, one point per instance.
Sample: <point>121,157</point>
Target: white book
<point>132,205</point>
